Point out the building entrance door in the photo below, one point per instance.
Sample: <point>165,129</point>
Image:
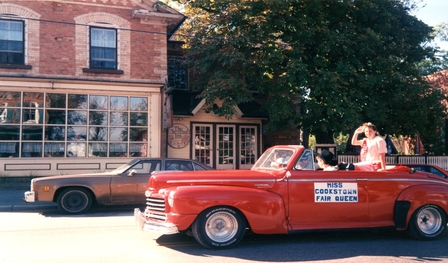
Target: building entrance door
<point>225,147</point>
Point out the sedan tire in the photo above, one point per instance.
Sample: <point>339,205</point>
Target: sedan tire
<point>74,200</point>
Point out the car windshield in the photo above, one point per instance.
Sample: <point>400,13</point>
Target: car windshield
<point>124,167</point>
<point>276,158</point>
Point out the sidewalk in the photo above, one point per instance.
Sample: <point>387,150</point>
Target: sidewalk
<point>11,200</point>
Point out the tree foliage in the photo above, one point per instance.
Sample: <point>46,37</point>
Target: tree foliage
<point>326,66</point>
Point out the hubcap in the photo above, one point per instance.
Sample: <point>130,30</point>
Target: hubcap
<point>429,220</point>
<point>221,227</point>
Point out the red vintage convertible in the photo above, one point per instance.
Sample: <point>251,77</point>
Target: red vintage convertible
<point>284,192</point>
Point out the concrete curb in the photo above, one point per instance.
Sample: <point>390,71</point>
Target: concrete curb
<point>28,207</point>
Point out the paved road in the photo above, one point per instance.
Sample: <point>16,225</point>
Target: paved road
<point>12,201</point>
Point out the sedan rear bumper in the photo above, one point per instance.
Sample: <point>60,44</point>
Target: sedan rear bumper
<point>154,226</point>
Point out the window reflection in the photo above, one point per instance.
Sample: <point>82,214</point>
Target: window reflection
<point>9,132</point>
<point>55,100</point>
<point>77,101</point>
<point>139,119</point>
<point>77,133</point>
<point>55,117</point>
<point>98,134</point>
<point>32,132</point>
<point>118,103</point>
<point>77,117</point>
<point>55,133</point>
<point>10,99</point>
<point>139,104</point>
<point>98,118</point>
<point>119,118</point>
<point>98,102</point>
<point>118,134</point>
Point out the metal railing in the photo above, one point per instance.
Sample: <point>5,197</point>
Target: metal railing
<point>441,161</point>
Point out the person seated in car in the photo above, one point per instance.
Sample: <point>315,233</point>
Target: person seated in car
<point>325,160</point>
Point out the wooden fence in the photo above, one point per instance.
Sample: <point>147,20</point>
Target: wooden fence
<point>441,161</point>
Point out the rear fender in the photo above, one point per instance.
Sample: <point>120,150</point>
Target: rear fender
<point>264,211</point>
<point>417,196</point>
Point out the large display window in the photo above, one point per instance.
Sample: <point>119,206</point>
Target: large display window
<point>35,124</point>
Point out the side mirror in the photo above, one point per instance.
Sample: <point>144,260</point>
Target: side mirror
<point>132,172</point>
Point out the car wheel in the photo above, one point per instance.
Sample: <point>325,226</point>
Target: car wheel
<point>219,227</point>
<point>428,222</point>
<point>74,200</point>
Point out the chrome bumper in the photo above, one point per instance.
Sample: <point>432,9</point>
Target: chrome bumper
<point>159,227</point>
<point>30,197</point>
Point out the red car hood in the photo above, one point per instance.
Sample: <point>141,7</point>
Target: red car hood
<point>244,178</point>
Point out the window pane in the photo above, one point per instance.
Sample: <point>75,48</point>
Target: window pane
<point>33,100</point>
<point>118,103</point>
<point>9,132</point>
<point>97,149</point>
<point>76,101</point>
<point>9,149</point>
<point>52,149</point>
<point>137,149</point>
<point>55,117</point>
<point>139,104</point>
<point>138,134</point>
<point>77,133</point>
<point>76,149</point>
<point>139,119</point>
<point>56,101</point>
<point>118,134</point>
<point>55,133</point>
<point>98,134</point>
<point>77,117</point>
<point>32,132</point>
<point>32,149</point>
<point>32,116</point>
<point>119,118</point>
<point>9,99</point>
<point>98,102</point>
<point>118,150</point>
<point>98,118</point>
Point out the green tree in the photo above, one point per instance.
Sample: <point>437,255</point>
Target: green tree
<point>324,66</point>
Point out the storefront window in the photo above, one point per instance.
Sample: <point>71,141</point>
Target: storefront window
<point>35,124</point>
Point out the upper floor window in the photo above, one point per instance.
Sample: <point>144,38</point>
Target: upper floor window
<point>12,42</point>
<point>177,73</point>
<point>103,48</point>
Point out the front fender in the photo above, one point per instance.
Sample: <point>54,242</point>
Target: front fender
<point>420,195</point>
<point>264,211</point>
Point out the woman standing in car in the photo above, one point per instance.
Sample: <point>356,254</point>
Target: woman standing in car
<point>373,148</point>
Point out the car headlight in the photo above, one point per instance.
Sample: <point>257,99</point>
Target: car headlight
<point>171,199</point>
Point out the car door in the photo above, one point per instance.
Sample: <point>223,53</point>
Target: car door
<point>130,186</point>
<point>325,199</point>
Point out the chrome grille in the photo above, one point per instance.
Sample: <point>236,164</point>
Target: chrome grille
<point>155,208</point>
<point>155,204</point>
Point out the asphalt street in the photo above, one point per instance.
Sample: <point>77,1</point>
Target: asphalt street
<point>12,201</point>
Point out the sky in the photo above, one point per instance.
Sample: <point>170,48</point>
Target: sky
<point>433,12</point>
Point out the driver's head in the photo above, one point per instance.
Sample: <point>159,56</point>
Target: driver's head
<point>304,159</point>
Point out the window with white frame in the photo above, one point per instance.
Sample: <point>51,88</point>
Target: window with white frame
<point>103,48</point>
<point>12,42</point>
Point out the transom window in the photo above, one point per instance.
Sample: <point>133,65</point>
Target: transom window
<point>103,48</point>
<point>12,42</point>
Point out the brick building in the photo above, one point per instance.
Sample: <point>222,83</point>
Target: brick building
<point>81,83</point>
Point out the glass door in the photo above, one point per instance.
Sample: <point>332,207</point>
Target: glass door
<point>225,142</point>
<point>248,149</point>
<point>202,150</point>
